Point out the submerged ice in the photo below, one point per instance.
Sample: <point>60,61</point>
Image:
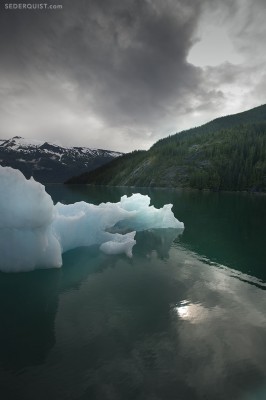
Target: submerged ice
<point>34,232</point>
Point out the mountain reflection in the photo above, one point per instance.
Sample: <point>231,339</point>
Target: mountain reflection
<point>173,322</point>
<point>29,301</point>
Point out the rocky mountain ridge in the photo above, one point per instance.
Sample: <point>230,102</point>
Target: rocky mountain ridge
<point>49,162</point>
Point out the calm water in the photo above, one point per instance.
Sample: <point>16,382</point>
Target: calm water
<point>183,319</point>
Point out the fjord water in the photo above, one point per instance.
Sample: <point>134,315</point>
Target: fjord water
<point>183,319</point>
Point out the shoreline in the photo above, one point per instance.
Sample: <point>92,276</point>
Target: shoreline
<point>188,189</point>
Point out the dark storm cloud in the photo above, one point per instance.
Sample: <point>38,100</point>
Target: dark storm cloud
<point>103,66</point>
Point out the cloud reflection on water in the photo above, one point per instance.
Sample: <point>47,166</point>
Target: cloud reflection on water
<point>163,325</point>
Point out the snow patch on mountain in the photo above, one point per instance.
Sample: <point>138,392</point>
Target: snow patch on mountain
<point>36,157</point>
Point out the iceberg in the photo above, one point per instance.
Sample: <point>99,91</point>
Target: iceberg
<point>34,232</point>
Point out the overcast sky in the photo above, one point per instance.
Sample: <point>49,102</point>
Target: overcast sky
<point>121,74</point>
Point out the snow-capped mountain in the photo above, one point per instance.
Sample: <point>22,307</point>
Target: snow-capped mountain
<point>50,163</point>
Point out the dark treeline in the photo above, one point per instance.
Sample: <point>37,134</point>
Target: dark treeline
<point>228,159</point>
<point>228,153</point>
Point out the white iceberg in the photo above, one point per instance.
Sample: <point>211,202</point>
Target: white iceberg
<point>34,232</point>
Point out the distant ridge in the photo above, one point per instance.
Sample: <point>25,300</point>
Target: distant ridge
<point>251,116</point>
<point>49,162</point>
<point>228,153</point>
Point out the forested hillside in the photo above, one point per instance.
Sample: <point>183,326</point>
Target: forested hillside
<point>228,153</point>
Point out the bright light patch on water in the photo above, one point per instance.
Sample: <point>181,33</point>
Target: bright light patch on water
<point>194,313</point>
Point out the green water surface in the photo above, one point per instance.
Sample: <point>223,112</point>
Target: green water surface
<point>184,318</point>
